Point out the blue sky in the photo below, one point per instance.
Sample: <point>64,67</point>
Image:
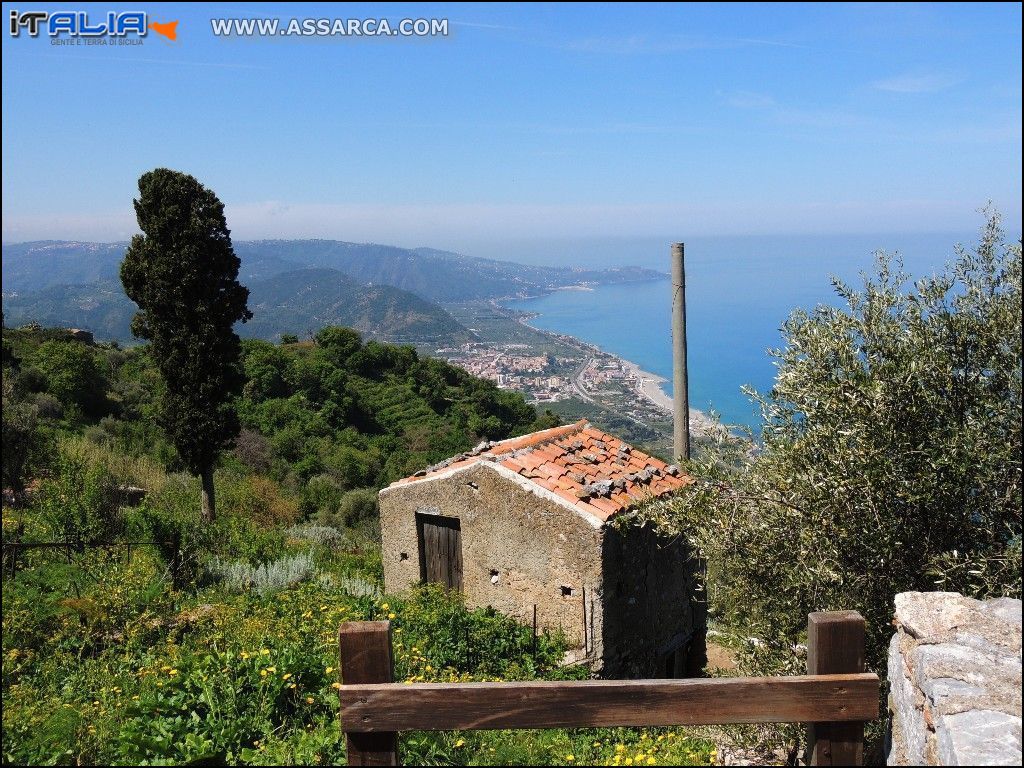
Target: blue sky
<point>547,122</point>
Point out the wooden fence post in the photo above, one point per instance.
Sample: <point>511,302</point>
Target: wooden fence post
<point>835,645</point>
<point>365,653</point>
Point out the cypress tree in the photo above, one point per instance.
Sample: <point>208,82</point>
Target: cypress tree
<point>183,274</point>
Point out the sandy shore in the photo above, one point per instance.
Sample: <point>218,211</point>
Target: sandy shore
<point>649,385</point>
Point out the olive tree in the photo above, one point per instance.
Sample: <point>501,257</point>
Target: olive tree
<point>889,460</point>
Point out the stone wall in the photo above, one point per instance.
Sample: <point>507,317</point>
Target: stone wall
<point>519,550</point>
<point>625,600</point>
<point>955,681</point>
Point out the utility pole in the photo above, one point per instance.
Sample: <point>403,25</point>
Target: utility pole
<point>680,382</point>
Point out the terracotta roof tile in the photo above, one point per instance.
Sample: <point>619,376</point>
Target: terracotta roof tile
<point>594,471</point>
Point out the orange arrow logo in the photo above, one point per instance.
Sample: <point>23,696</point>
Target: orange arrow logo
<point>168,30</point>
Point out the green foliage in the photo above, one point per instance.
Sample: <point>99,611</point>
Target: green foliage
<point>182,272</point>
<point>891,458</point>
<point>70,372</point>
<point>79,503</point>
<point>21,438</point>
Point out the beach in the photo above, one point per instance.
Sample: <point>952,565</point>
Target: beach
<point>649,385</point>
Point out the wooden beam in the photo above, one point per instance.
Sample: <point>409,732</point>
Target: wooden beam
<point>608,703</point>
<point>835,645</point>
<point>365,653</point>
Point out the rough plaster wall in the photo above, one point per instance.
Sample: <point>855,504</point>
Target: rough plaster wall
<point>536,546</point>
<point>649,603</point>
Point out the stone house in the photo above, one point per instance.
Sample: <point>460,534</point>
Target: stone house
<point>525,525</point>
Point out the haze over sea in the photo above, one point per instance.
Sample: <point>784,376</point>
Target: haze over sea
<point>739,290</point>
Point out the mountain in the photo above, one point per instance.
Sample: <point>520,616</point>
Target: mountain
<point>441,276</point>
<point>296,301</point>
<point>435,275</point>
<point>308,299</point>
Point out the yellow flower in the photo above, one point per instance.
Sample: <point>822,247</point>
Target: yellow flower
<point>651,761</point>
<point>309,699</point>
<point>336,686</point>
<point>286,676</point>
<point>329,670</point>
<point>244,655</point>
<point>292,685</point>
<point>391,615</point>
<point>628,761</point>
<point>173,672</point>
<point>570,758</point>
<point>383,606</point>
<point>135,698</point>
<point>264,652</point>
<point>271,669</point>
<point>263,673</point>
<point>460,743</point>
<point>620,748</point>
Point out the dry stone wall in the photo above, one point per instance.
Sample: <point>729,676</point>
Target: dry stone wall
<point>955,681</point>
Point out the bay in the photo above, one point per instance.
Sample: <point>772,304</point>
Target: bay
<point>739,292</point>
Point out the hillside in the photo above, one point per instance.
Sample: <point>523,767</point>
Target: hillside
<point>435,275</point>
<point>441,276</point>
<point>299,301</point>
<point>309,299</point>
<point>216,642</point>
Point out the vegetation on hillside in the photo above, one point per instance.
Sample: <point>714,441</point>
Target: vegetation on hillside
<point>217,642</point>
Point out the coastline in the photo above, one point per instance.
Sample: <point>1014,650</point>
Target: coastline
<point>648,385</point>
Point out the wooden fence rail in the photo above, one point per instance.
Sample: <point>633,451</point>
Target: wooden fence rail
<point>836,697</point>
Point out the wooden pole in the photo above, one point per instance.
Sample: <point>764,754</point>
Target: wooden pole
<point>365,651</point>
<point>835,645</point>
<point>680,379</point>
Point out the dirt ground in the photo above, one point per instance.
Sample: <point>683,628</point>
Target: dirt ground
<point>720,658</point>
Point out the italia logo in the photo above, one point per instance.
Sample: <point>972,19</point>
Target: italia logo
<point>81,24</point>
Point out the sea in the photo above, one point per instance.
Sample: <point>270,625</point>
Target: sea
<point>739,292</point>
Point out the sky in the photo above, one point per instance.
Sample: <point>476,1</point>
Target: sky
<point>546,123</point>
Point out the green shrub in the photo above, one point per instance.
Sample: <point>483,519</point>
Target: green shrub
<point>890,462</point>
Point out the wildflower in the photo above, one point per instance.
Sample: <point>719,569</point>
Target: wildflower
<point>264,652</point>
<point>570,758</point>
<point>651,761</point>
<point>263,673</point>
<point>329,670</point>
<point>391,615</point>
<point>286,676</point>
<point>244,655</point>
<point>292,685</point>
<point>460,743</point>
<point>336,686</point>
<point>309,699</point>
<point>173,672</point>
<point>383,606</point>
<point>272,670</point>
<point>135,698</point>
<point>620,748</point>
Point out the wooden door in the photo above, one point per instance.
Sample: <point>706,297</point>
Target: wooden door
<point>440,550</point>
